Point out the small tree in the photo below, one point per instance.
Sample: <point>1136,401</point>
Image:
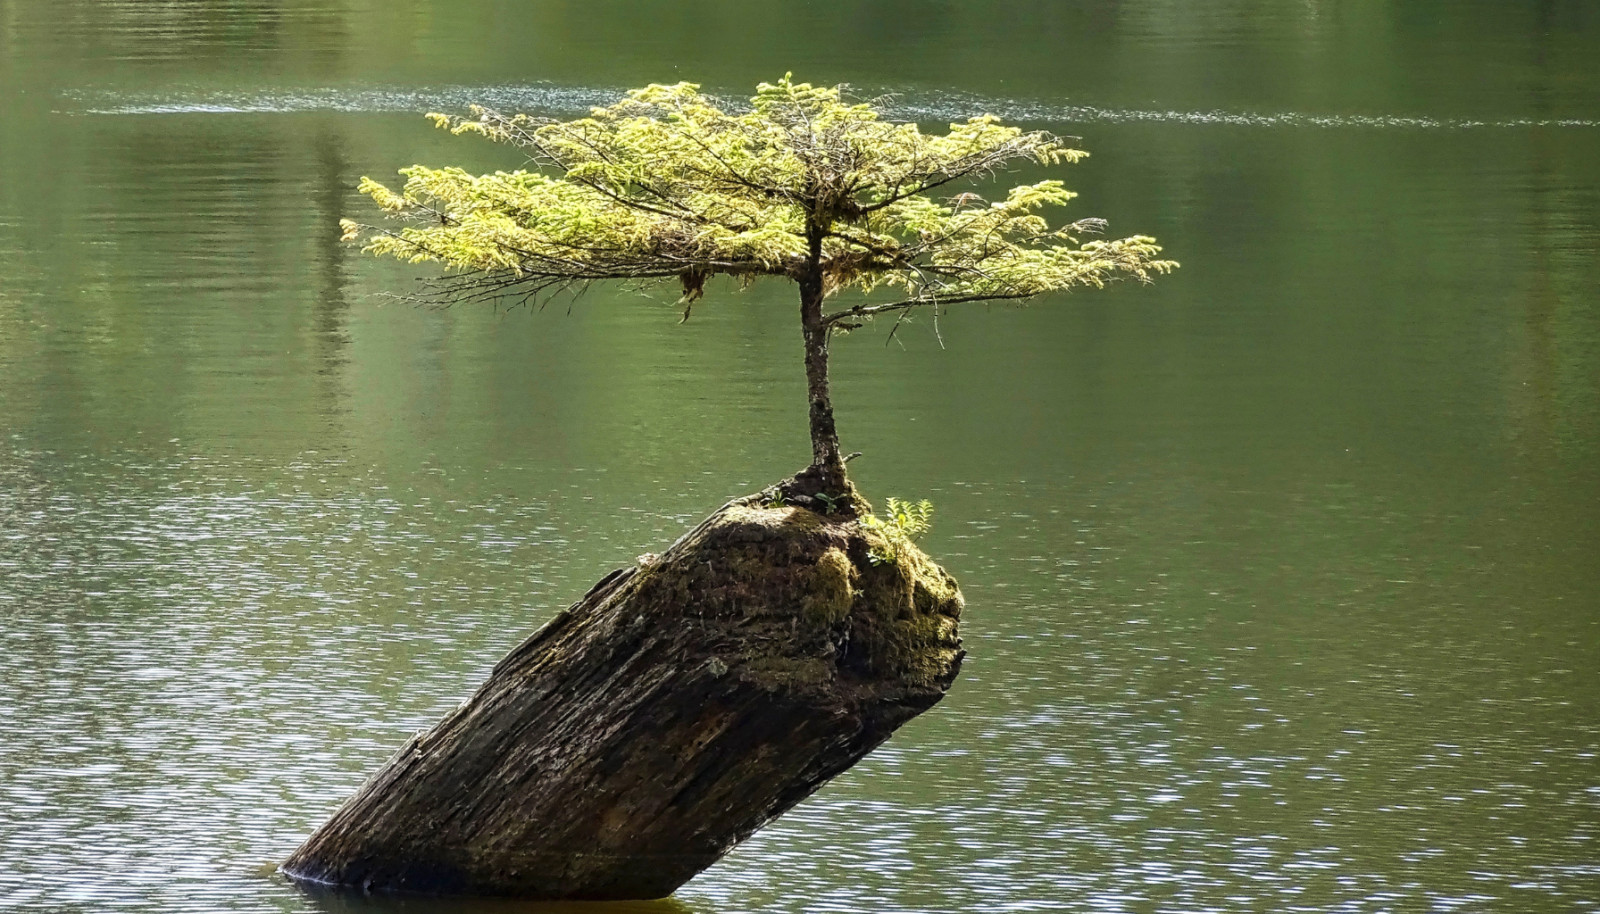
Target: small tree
<point>618,752</point>
<point>668,184</point>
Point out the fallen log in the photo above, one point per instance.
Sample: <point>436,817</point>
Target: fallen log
<point>679,706</point>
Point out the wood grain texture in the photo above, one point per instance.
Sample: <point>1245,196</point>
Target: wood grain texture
<point>667,715</point>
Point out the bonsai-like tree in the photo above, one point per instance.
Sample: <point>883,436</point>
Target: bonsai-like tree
<point>812,642</point>
<point>669,184</point>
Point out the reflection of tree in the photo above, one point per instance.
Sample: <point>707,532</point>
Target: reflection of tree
<point>331,304</point>
<point>202,33</point>
<point>171,276</point>
<point>1561,247</point>
<point>348,903</point>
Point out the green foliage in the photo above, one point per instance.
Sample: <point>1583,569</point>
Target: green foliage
<point>830,503</point>
<point>909,519</point>
<point>903,522</point>
<point>668,184</point>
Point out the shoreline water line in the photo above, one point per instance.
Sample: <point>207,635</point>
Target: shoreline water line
<point>544,98</point>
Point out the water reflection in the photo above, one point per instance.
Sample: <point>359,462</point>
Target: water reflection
<point>352,903</point>
<point>921,105</point>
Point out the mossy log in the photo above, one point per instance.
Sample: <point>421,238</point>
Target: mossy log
<point>667,715</point>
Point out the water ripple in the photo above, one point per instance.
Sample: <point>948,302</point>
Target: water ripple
<point>551,99</point>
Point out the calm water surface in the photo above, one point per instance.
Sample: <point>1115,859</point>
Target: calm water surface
<point>1284,574</point>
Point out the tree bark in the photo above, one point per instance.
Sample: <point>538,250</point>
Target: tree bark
<point>825,453</point>
<point>667,715</point>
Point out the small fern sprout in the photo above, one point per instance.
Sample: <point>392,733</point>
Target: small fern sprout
<point>903,523</point>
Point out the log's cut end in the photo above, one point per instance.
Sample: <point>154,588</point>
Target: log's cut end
<point>646,730</point>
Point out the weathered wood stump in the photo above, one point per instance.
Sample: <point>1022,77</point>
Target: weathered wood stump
<point>667,715</point>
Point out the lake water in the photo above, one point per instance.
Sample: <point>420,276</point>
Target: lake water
<point>1283,574</point>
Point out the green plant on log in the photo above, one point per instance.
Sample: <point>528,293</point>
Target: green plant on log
<point>670,184</point>
<point>903,523</point>
<point>831,504</point>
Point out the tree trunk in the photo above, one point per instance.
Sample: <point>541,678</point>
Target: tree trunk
<point>667,715</point>
<point>825,455</point>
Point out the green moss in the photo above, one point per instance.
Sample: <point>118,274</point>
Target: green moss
<point>799,600</point>
<point>905,621</point>
<point>831,594</point>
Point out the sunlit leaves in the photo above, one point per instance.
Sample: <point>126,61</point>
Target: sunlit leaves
<point>669,182</point>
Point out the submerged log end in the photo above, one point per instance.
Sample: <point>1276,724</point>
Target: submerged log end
<point>676,708</point>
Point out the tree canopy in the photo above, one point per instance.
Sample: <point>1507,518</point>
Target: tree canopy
<point>672,183</point>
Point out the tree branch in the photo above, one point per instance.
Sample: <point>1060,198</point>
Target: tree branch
<point>920,302</point>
